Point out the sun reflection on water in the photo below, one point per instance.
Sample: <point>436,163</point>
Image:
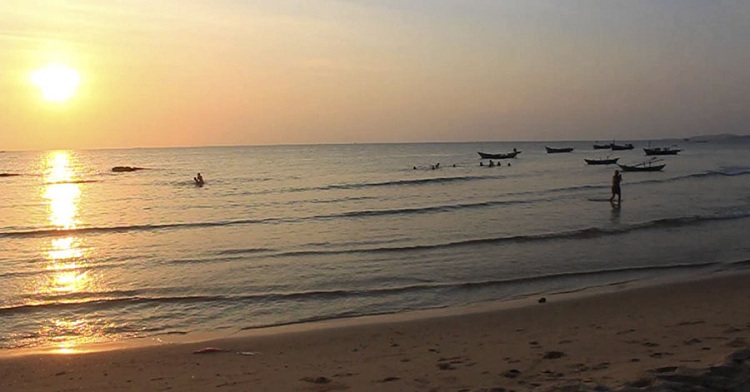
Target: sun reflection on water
<point>67,268</point>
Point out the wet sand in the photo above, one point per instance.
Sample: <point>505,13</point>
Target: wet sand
<point>627,339</point>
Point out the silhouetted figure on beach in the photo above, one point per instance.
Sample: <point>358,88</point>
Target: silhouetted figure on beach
<point>616,191</point>
<point>199,180</point>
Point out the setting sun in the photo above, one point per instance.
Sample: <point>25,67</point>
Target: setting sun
<point>57,82</point>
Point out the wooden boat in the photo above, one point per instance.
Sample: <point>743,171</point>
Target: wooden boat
<point>661,151</point>
<point>617,147</point>
<point>605,161</point>
<point>508,155</point>
<point>552,150</point>
<point>647,166</point>
<point>602,146</point>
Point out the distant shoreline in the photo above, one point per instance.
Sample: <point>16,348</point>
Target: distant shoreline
<point>698,138</point>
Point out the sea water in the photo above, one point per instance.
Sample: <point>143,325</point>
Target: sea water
<point>289,234</point>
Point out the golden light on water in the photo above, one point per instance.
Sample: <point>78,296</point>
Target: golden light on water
<point>67,258</point>
<point>63,204</point>
<point>69,281</point>
<point>68,336</point>
<point>64,249</point>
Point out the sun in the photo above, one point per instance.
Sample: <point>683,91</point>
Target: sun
<point>57,82</point>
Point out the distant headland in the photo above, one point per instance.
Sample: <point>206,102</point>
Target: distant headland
<point>722,137</point>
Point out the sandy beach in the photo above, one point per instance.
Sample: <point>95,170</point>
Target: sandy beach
<point>627,338</point>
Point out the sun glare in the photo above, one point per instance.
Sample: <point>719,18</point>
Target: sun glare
<point>57,82</point>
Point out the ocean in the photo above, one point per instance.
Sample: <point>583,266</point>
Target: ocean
<point>290,234</point>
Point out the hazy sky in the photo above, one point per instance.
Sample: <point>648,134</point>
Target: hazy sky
<point>187,72</point>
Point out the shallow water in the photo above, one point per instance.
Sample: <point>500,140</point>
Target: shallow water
<point>286,234</point>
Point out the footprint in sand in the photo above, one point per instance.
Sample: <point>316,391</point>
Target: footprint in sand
<point>601,366</point>
<point>553,355</point>
<point>317,380</point>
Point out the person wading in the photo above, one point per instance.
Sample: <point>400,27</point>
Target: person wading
<point>616,191</point>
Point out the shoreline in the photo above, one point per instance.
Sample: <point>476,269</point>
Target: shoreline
<point>609,338</point>
<point>411,315</point>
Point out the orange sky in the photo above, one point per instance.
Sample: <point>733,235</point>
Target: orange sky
<point>185,73</point>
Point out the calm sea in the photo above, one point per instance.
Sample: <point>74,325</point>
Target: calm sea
<point>288,234</point>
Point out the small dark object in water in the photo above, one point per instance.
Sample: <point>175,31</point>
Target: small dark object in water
<point>120,169</point>
<point>542,300</point>
<point>9,175</point>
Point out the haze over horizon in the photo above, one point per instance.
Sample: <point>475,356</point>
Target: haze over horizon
<point>195,73</point>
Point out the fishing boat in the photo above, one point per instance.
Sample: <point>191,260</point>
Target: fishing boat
<point>661,151</point>
<point>605,161</point>
<point>647,166</point>
<point>617,147</point>
<point>508,155</point>
<point>552,150</point>
<point>602,146</point>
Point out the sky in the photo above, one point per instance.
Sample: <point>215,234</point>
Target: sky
<point>230,72</point>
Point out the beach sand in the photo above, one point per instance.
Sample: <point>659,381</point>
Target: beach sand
<point>640,338</point>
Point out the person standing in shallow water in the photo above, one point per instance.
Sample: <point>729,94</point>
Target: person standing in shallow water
<point>616,191</point>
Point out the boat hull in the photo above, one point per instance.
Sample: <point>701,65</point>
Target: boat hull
<point>644,168</point>
<point>552,150</point>
<point>509,155</point>
<point>601,161</point>
<point>661,151</point>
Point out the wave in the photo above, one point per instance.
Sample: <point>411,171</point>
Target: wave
<point>578,274</point>
<point>109,263</point>
<point>740,263</point>
<point>585,233</point>
<point>126,228</point>
<point>243,251</point>
<point>424,210</point>
<point>392,183</point>
<point>167,226</point>
<point>721,172</point>
<point>353,214</point>
<point>724,171</point>
<point>419,181</point>
<point>71,182</point>
<point>89,302</point>
<point>340,200</point>
<point>732,171</point>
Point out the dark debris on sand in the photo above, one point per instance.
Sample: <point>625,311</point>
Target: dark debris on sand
<point>733,375</point>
